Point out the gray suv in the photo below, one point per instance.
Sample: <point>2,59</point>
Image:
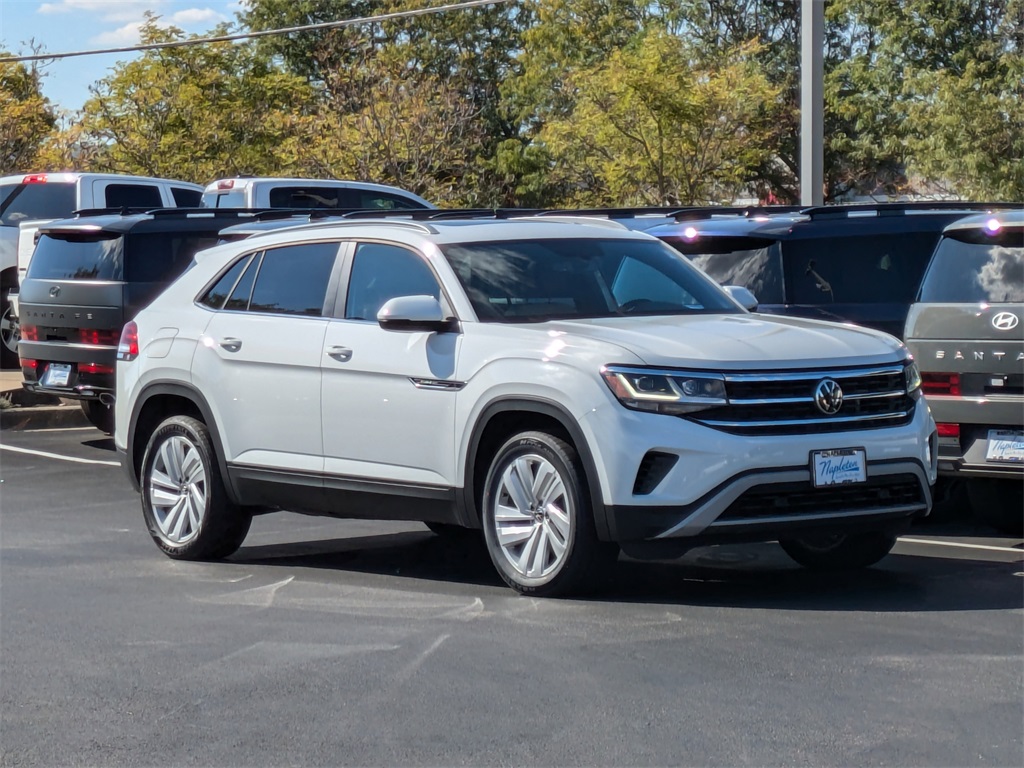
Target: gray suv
<point>966,331</point>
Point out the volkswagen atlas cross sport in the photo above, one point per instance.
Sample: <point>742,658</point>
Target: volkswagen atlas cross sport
<point>569,388</point>
<point>967,331</point>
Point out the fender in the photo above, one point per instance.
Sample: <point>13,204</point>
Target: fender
<point>542,407</point>
<point>188,392</point>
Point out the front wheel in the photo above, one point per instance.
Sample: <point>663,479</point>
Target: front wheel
<point>538,520</point>
<point>840,551</point>
<point>184,501</point>
<point>9,332</point>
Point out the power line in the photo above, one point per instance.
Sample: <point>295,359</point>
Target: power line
<point>261,33</point>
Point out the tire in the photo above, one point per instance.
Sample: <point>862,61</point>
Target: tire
<point>840,552</point>
<point>998,503</point>
<point>543,541</point>
<point>99,415</point>
<point>184,501</point>
<point>9,333</point>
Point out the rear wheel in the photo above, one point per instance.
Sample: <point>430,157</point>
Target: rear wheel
<point>840,551</point>
<point>9,332</point>
<point>99,415</point>
<point>537,518</point>
<point>998,503</point>
<point>184,501</point>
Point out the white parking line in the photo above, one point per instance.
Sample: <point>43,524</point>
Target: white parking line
<point>60,429</point>
<point>48,455</point>
<point>986,547</point>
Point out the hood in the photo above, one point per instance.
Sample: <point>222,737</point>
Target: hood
<point>738,342</point>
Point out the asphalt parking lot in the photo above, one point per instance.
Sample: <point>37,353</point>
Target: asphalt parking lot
<point>326,642</point>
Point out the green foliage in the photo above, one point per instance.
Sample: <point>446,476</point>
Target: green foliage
<point>26,118</point>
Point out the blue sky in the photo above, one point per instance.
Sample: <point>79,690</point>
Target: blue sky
<point>68,25</point>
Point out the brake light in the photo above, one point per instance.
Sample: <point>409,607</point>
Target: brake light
<point>948,430</point>
<point>34,178</point>
<point>29,333</point>
<point>97,337</point>
<point>941,384</point>
<point>226,184</point>
<point>29,365</point>
<point>95,368</point>
<point>128,347</point>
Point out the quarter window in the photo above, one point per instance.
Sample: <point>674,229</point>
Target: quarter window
<point>381,272</point>
<point>214,298</point>
<point>293,280</point>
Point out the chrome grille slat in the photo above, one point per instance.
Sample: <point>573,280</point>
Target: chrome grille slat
<point>798,422</point>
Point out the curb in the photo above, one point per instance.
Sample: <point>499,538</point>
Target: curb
<point>42,417</point>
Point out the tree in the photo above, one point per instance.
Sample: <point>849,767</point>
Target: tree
<point>196,112</point>
<point>26,118</point>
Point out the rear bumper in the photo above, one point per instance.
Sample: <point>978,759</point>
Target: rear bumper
<point>104,394</point>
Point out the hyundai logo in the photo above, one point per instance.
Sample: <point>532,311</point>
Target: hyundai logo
<point>828,396</point>
<point>55,292</point>
<point>1005,321</point>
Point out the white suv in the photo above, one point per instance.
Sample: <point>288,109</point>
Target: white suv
<point>571,389</point>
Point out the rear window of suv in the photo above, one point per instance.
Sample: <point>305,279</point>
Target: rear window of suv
<point>152,257</point>
<point>27,202</point>
<point>975,266</point>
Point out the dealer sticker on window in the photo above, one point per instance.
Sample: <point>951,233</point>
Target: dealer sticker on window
<point>1005,445</point>
<point>838,466</point>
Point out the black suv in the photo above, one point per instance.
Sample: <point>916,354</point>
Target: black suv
<point>849,263</point>
<point>88,276</point>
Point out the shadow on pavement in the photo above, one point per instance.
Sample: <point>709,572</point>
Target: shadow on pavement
<point>747,576</point>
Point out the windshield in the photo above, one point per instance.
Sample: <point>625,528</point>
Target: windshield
<point>749,262</point>
<point>537,280</point>
<point>973,266</point>
<point>28,202</point>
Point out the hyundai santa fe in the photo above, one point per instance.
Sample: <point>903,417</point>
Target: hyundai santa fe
<point>572,389</point>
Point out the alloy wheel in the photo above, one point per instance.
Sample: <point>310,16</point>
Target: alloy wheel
<point>177,489</point>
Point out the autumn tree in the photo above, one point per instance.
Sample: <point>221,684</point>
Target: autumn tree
<point>26,118</point>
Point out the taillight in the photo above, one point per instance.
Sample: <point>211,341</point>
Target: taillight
<point>29,333</point>
<point>96,337</point>
<point>34,178</point>
<point>128,347</point>
<point>29,365</point>
<point>226,184</point>
<point>948,430</point>
<point>96,368</point>
<point>941,384</point>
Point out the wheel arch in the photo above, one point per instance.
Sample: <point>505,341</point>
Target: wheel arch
<point>504,417</point>
<point>158,401</point>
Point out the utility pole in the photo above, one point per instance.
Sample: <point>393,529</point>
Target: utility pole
<point>812,102</point>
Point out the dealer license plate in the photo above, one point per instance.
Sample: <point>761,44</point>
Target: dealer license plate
<point>838,466</point>
<point>1005,445</point>
<point>57,375</point>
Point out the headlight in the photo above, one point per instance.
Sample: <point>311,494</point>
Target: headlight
<point>912,377</point>
<point>672,392</point>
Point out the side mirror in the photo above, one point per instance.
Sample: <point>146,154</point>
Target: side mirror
<point>414,313</point>
<point>743,297</point>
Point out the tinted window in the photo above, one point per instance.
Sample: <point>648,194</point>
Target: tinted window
<point>73,257</point>
<point>858,270</point>
<point>535,280</point>
<point>133,196</point>
<point>975,266</point>
<point>161,257</point>
<point>382,272</point>
<point>381,200</point>
<point>752,263</point>
<point>215,297</point>
<point>25,202</point>
<point>308,197</point>
<point>293,280</point>
<point>186,198</point>
<point>243,291</point>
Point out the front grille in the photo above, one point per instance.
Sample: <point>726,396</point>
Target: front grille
<point>784,403</point>
<point>796,499</point>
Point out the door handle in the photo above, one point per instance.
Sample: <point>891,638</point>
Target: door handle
<point>341,354</point>
<point>230,344</point>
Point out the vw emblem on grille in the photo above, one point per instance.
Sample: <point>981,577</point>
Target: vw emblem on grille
<point>828,396</point>
<point>1005,321</point>
<point>55,292</point>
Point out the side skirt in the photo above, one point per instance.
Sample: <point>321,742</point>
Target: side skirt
<point>344,497</point>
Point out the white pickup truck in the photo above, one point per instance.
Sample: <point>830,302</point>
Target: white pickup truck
<point>29,200</point>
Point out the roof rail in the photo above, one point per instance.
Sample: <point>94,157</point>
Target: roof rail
<point>694,213</point>
<point>842,210</point>
<point>213,213</point>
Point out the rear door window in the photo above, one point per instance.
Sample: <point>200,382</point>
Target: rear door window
<point>27,202</point>
<point>381,200</point>
<point>309,197</point>
<point>132,196</point>
<point>975,266</point>
<point>293,280</point>
<point>78,257</point>
<point>856,270</point>
<point>186,198</point>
